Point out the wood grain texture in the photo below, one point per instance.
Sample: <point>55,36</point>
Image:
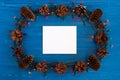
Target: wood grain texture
<point>32,42</point>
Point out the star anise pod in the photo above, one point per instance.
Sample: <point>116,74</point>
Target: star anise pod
<point>44,10</point>
<point>62,10</point>
<point>41,66</point>
<point>22,23</point>
<point>60,68</point>
<point>26,62</point>
<point>101,26</point>
<point>80,66</point>
<point>16,35</point>
<point>101,38</point>
<point>93,62</point>
<point>102,52</point>
<point>80,10</point>
<point>18,51</point>
<point>27,13</point>
<point>95,16</point>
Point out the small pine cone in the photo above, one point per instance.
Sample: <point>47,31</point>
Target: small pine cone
<point>16,35</point>
<point>62,10</point>
<point>101,38</point>
<point>44,10</point>
<point>22,23</point>
<point>27,13</point>
<point>95,16</point>
<point>80,66</point>
<point>26,62</point>
<point>18,51</point>
<point>101,26</point>
<point>102,52</point>
<point>41,66</point>
<point>93,62</point>
<point>80,10</point>
<point>60,68</point>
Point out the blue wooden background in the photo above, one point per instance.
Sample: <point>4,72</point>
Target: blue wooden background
<point>110,66</point>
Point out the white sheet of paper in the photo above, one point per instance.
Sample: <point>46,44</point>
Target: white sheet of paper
<point>59,39</point>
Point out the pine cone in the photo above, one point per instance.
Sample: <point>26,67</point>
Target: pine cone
<point>101,26</point>
<point>27,13</point>
<point>95,16</point>
<point>62,10</point>
<point>18,51</point>
<point>93,62</point>
<point>41,66</point>
<point>80,66</point>
<point>16,35</point>
<point>102,52</point>
<point>60,68</point>
<point>80,10</point>
<point>101,38</point>
<point>26,62</point>
<point>22,23</point>
<point>44,10</point>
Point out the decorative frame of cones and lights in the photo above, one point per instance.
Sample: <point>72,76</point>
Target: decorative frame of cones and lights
<point>93,17</point>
